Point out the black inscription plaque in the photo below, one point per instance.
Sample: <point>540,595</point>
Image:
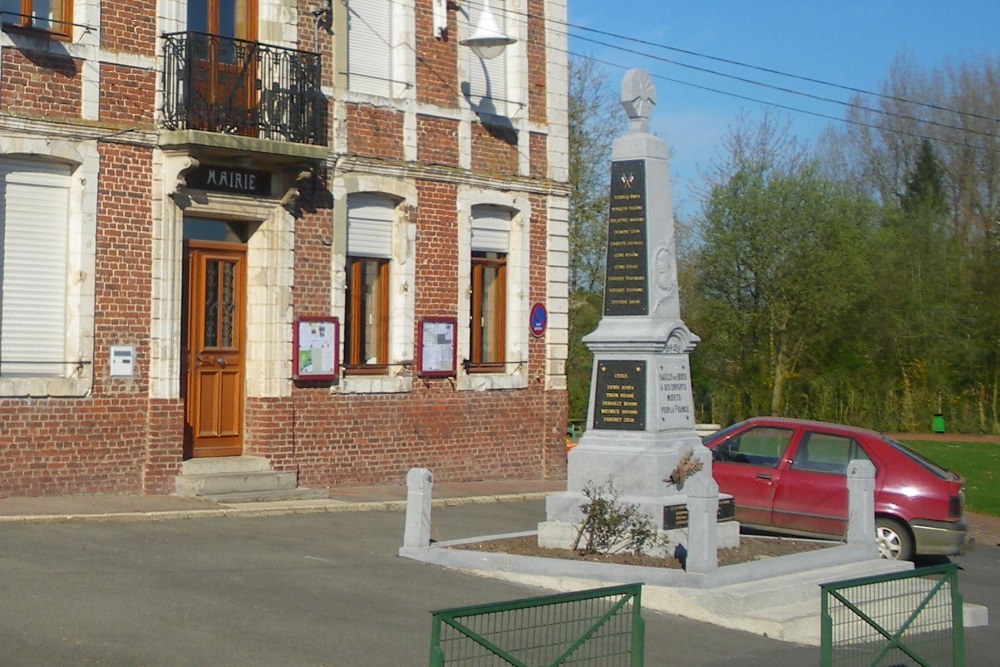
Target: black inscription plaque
<point>620,396</point>
<point>230,179</point>
<point>626,286</point>
<point>676,516</point>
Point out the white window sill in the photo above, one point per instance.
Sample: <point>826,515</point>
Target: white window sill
<point>375,384</point>
<point>44,387</point>
<point>490,381</point>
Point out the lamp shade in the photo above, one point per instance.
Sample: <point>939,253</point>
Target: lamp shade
<point>487,40</point>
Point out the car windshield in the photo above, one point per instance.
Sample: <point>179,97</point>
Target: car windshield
<point>721,435</point>
<point>932,467</point>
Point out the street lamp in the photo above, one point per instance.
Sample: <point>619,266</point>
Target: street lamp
<point>487,40</point>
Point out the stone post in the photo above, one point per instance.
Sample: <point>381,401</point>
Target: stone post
<point>861,504</point>
<point>703,528</point>
<point>417,532</point>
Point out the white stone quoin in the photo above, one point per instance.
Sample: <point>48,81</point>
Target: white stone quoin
<point>641,423</point>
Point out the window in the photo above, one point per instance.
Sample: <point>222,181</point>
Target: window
<point>488,308</point>
<point>369,46</point>
<point>366,313</point>
<point>34,197</point>
<point>761,446</point>
<point>53,16</point>
<point>366,322</point>
<point>488,293</point>
<point>825,452</point>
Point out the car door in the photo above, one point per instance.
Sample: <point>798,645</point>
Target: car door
<point>747,465</point>
<point>812,496</point>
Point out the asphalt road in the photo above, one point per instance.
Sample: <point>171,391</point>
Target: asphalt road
<point>320,589</point>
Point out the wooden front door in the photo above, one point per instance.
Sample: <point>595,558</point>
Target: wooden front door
<point>214,348</point>
<point>224,65</point>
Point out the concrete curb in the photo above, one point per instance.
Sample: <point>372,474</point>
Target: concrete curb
<point>245,510</point>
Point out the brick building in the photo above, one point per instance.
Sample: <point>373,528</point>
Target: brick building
<point>314,233</point>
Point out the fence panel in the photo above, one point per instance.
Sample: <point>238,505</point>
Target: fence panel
<point>906,619</point>
<point>601,626</point>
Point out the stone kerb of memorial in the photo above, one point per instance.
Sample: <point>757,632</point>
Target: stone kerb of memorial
<point>641,436</point>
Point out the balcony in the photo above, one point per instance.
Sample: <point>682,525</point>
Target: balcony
<point>232,86</point>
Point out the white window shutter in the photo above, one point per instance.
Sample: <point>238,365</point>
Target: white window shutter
<point>369,51</point>
<point>488,78</point>
<point>34,227</point>
<point>369,225</point>
<point>490,229</point>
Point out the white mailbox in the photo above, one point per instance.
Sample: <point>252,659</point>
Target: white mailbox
<point>122,360</point>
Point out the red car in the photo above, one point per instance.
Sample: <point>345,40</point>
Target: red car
<point>790,476</point>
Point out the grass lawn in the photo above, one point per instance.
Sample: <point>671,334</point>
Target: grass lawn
<point>977,462</point>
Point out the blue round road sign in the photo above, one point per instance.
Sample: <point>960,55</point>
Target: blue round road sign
<point>538,319</point>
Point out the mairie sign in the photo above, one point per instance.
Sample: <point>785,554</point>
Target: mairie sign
<point>230,179</point>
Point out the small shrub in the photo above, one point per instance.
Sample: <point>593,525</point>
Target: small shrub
<point>610,526</point>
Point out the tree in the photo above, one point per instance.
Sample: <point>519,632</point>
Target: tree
<point>782,264</point>
<point>595,119</point>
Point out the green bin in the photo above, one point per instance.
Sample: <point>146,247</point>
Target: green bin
<point>937,423</point>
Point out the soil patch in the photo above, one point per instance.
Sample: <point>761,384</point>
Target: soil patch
<point>984,529</point>
<point>751,548</point>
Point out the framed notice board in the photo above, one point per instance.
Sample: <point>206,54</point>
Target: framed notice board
<point>316,348</point>
<point>436,355</point>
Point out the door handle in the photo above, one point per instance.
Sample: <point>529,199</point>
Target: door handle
<point>205,361</point>
<point>763,476</point>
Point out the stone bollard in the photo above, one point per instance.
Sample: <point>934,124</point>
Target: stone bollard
<point>703,526</point>
<point>861,504</point>
<point>417,532</point>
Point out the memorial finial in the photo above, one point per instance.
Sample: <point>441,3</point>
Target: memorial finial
<point>638,98</point>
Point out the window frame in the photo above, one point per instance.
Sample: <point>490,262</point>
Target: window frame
<point>355,315</point>
<point>80,266</point>
<point>477,324</point>
<point>59,28</point>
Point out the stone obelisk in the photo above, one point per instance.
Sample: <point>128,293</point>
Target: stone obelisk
<point>641,425</point>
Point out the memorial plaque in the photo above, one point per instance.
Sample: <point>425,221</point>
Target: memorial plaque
<point>626,286</point>
<point>620,396</point>
<point>676,516</point>
<point>673,387</point>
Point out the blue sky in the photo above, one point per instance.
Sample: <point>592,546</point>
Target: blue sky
<point>847,42</point>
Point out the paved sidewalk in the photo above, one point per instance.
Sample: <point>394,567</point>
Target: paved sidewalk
<point>105,508</point>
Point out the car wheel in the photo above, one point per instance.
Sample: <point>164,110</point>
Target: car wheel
<point>894,541</point>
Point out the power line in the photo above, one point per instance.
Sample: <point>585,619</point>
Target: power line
<point>776,72</point>
<point>776,105</point>
<point>789,90</point>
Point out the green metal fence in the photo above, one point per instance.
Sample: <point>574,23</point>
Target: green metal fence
<point>602,626</point>
<point>905,619</point>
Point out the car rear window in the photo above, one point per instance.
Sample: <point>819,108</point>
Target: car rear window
<point>929,465</point>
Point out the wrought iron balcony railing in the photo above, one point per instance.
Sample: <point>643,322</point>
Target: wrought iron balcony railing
<point>232,86</point>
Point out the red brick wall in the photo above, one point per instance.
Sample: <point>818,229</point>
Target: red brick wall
<point>539,155</point>
<point>332,439</point>
<point>437,141</point>
<point>437,60</point>
<point>374,132</point>
<point>537,88</point>
<point>313,287</point>
<point>316,41</point>
<point>494,150</point>
<point>129,25</point>
<point>42,85</point>
<point>436,250</point>
<point>98,443</point>
<point>127,95</point>
<point>71,446</point>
